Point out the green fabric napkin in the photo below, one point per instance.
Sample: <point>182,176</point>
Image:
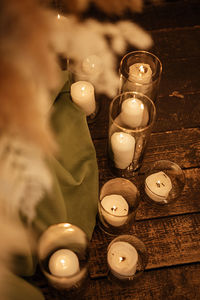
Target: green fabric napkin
<point>75,171</point>
<point>75,184</point>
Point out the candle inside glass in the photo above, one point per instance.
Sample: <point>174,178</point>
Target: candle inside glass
<point>134,113</point>
<point>82,93</point>
<point>157,186</point>
<point>123,147</point>
<point>140,73</point>
<point>122,259</point>
<point>64,263</point>
<point>115,209</point>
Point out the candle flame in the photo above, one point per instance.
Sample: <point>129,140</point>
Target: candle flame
<point>58,16</point>
<point>141,69</point>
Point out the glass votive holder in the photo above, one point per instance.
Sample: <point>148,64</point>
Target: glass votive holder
<point>163,183</point>
<point>140,71</point>
<point>84,75</point>
<point>131,119</point>
<point>127,258</point>
<point>117,206</point>
<point>63,257</point>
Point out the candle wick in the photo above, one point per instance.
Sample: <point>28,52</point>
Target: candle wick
<point>122,258</point>
<point>114,208</point>
<point>158,184</point>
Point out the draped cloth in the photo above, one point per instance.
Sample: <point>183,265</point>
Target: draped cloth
<point>74,194</point>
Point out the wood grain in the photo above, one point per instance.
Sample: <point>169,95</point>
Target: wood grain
<point>168,15</point>
<point>170,114</point>
<point>181,147</point>
<point>172,234</point>
<point>180,283</point>
<point>169,241</point>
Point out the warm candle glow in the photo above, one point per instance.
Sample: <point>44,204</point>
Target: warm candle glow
<point>142,70</point>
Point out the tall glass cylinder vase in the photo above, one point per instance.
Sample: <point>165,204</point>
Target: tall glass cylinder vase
<point>140,71</point>
<point>131,119</point>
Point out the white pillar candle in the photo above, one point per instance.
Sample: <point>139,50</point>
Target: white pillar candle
<point>64,262</point>
<point>134,113</point>
<point>141,73</point>
<point>123,147</point>
<point>158,186</point>
<point>82,93</point>
<point>122,259</point>
<point>115,209</point>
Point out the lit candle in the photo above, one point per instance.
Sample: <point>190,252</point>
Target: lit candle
<point>115,209</point>
<point>123,147</point>
<point>158,186</point>
<point>91,65</point>
<point>82,93</point>
<point>134,113</point>
<point>141,73</point>
<point>64,262</point>
<point>122,259</point>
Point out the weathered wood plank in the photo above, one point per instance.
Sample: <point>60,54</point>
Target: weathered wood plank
<point>181,146</point>
<point>177,283</point>
<point>176,43</point>
<point>169,241</point>
<point>180,75</point>
<point>180,283</point>
<point>170,114</point>
<point>168,15</point>
<point>187,202</point>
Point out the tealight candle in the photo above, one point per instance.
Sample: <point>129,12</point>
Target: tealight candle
<point>82,93</point>
<point>158,186</point>
<point>134,113</point>
<point>115,209</point>
<point>141,73</point>
<point>122,259</point>
<point>123,147</point>
<point>64,262</point>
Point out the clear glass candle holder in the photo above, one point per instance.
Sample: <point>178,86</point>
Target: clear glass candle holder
<point>131,119</point>
<point>87,70</point>
<point>163,183</point>
<point>117,207</point>
<point>63,257</point>
<point>127,258</point>
<point>140,71</point>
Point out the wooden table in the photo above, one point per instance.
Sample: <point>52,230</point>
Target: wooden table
<point>172,236</point>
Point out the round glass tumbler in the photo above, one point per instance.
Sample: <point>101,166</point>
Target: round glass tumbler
<point>163,183</point>
<point>127,258</point>
<point>131,118</point>
<point>63,256</point>
<point>117,207</point>
<point>140,71</point>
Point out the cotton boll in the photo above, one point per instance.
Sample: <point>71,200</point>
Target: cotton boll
<point>135,35</point>
<point>118,44</point>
